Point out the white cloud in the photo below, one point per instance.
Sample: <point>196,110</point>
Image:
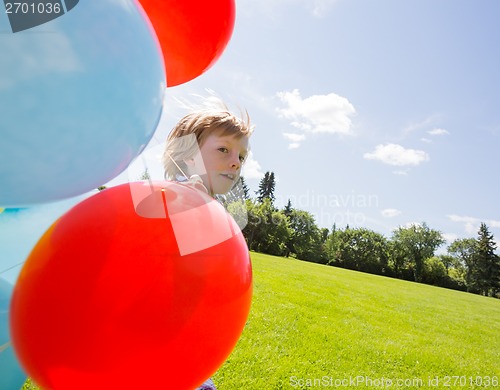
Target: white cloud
<point>458,218</point>
<point>390,213</point>
<point>409,225</point>
<point>472,224</point>
<point>435,132</point>
<point>449,237</point>
<point>393,154</point>
<point>317,113</point>
<point>419,125</point>
<point>438,131</point>
<point>317,8</point>
<point>295,139</point>
<point>492,223</point>
<point>252,169</point>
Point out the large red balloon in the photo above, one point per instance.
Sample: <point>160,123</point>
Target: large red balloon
<point>139,287</point>
<point>192,34</point>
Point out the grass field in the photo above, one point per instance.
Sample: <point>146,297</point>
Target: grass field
<point>318,326</point>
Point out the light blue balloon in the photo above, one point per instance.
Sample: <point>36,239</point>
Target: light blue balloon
<point>12,376</point>
<point>20,230</point>
<point>80,97</point>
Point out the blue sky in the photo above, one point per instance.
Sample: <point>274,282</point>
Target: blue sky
<point>375,114</point>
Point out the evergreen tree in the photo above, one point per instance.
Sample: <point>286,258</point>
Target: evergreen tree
<point>145,175</point>
<point>238,193</point>
<point>244,187</point>
<point>487,263</point>
<point>266,187</point>
<point>287,212</point>
<point>288,208</point>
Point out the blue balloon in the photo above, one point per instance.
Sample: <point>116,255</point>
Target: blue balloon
<point>12,376</point>
<point>80,97</point>
<point>20,230</point>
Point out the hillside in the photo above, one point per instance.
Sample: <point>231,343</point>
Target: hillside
<point>318,326</point>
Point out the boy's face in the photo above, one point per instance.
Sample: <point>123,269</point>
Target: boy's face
<point>219,161</point>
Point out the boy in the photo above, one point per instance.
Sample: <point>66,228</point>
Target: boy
<point>211,145</point>
<point>206,149</point>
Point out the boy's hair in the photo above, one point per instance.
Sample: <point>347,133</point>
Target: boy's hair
<point>189,134</point>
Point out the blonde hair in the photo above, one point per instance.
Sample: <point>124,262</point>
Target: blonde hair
<point>189,134</point>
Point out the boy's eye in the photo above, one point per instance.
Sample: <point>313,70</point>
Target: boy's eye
<point>242,158</point>
<point>223,150</point>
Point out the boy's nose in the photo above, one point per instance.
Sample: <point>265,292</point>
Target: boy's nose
<point>235,162</point>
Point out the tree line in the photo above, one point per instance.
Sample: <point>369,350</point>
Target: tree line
<point>470,264</point>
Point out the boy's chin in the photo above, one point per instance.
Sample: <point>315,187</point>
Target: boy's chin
<point>219,185</point>
<point>221,189</point>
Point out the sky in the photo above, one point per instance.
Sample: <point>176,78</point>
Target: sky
<point>374,114</point>
<point>371,114</point>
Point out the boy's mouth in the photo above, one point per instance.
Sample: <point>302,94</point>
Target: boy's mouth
<point>229,176</point>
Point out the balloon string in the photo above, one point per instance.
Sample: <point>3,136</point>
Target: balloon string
<point>12,267</point>
<point>3,347</point>
<point>178,167</point>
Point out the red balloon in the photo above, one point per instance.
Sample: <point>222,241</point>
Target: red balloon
<point>138,287</point>
<point>192,34</point>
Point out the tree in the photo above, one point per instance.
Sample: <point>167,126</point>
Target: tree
<point>267,230</point>
<point>238,193</point>
<point>238,209</point>
<point>266,187</point>
<point>305,240</point>
<point>288,208</point>
<point>464,250</point>
<point>487,262</point>
<point>145,175</point>
<point>251,230</point>
<point>359,249</point>
<point>332,245</point>
<point>399,261</point>
<point>455,272</point>
<point>244,188</point>
<point>276,233</point>
<point>448,261</point>
<point>434,271</point>
<point>417,243</point>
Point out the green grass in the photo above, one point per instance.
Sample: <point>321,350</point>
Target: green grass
<point>310,321</point>
<point>313,322</point>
